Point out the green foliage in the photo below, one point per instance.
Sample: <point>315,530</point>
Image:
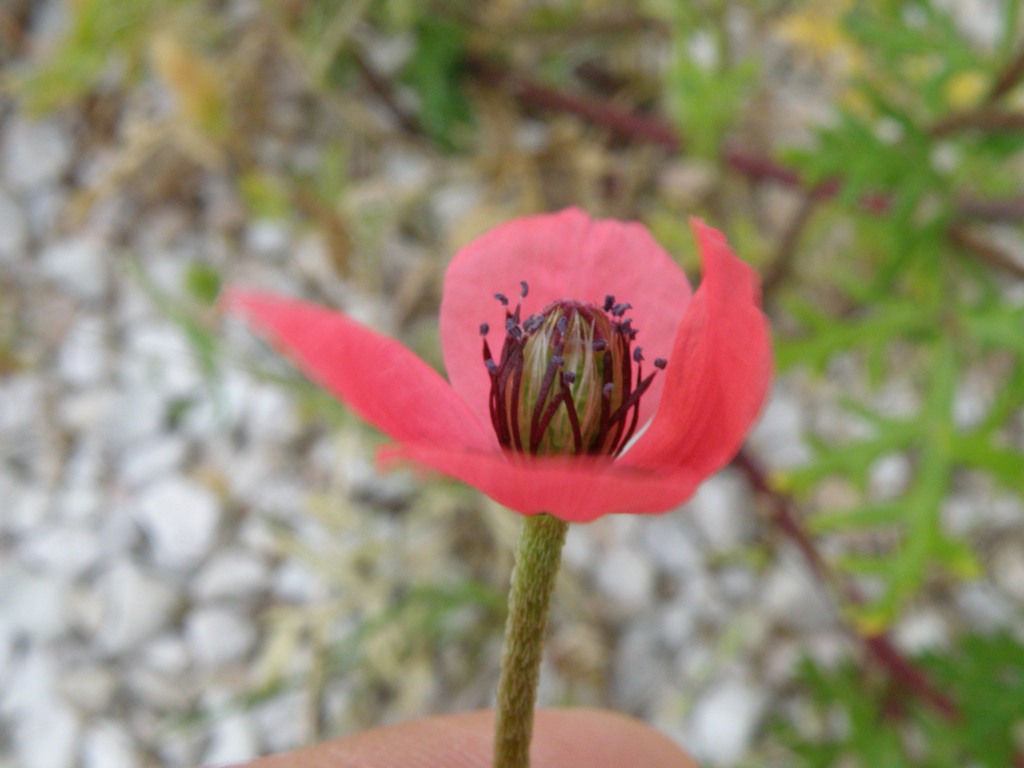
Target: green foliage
<point>907,303</point>
<point>101,35</point>
<point>880,294</point>
<point>705,98</point>
<point>203,283</point>
<point>434,71</point>
<point>860,720</point>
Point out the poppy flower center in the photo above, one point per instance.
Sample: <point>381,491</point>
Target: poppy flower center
<point>564,383</point>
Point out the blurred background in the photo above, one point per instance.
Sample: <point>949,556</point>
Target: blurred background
<point>199,562</point>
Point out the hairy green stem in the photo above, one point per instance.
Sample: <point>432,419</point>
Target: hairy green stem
<point>533,581</point>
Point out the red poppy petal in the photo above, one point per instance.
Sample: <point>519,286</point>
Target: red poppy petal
<point>561,255</point>
<point>719,370</point>
<point>576,490</point>
<point>382,381</point>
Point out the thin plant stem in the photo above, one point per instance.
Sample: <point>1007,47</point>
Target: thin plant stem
<point>533,580</point>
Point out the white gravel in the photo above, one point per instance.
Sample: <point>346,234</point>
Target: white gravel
<point>171,540</point>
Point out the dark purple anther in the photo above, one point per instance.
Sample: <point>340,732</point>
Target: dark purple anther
<point>484,329</point>
<point>540,404</point>
<point>660,363</point>
<point>525,288</point>
<point>532,323</point>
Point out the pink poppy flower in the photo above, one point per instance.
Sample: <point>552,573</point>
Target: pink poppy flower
<point>601,383</point>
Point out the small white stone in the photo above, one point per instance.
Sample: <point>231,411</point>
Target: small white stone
<point>22,398</point>
<point>143,463</point>
<point>627,578</point>
<point>889,476</point>
<point>639,671</point>
<point>294,582</point>
<point>36,153</point>
<point>108,745</point>
<point>78,505</point>
<point>166,654</point>
<point>158,355</point>
<point>233,741</point>
<point>723,723</point>
<point>920,631</point>
<point>984,608</point>
<point>407,170</point>
<point>283,721</point>
<point>737,584</point>
<point>28,508</point>
<point>700,590</point>
<point>676,623</point>
<point>671,545</point>
<point>46,738</point>
<point>778,436</point>
<point>67,551</point>
<point>43,211</point>
<point>781,662</point>
<point>793,599</point>
<point>180,746</point>
<point>32,604</point>
<point>13,230</point>
<point>979,20</point>
<point>90,688</point>
<point>269,238</point>
<point>218,636</point>
<point>453,202</point>
<point>77,264</point>
<point>579,552</point>
<point>86,410</point>
<point>722,511</point>
<point>44,729</point>
<point>82,358</point>
<point>232,574</point>
<point>156,691</point>
<point>975,509</point>
<point>1007,568</point>
<point>87,464</point>
<point>180,519</point>
<point>272,416</point>
<point>139,414</point>
<point>135,605</point>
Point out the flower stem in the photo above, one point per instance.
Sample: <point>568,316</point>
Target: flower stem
<point>533,581</point>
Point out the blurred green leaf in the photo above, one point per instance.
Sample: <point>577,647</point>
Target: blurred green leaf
<point>434,71</point>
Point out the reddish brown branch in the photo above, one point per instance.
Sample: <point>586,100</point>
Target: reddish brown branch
<point>781,264</point>
<point>1011,209</point>
<point>1008,78</point>
<point>384,91</point>
<point>986,250</point>
<point>620,123</point>
<point>645,128</point>
<point>783,513</point>
<point>987,119</point>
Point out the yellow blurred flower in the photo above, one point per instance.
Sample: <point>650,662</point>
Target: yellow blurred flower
<point>965,90</point>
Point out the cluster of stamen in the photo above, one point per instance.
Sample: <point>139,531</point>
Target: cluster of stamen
<point>564,382</point>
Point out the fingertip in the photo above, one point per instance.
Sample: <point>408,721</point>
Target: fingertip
<point>602,739</point>
<point>562,737</point>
